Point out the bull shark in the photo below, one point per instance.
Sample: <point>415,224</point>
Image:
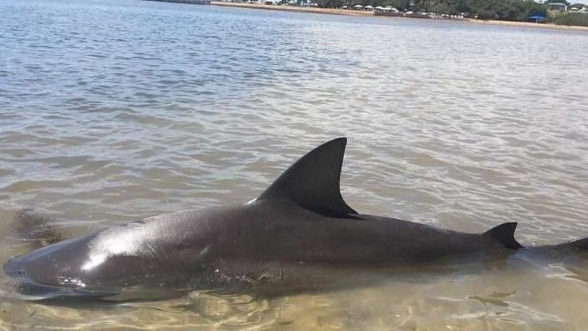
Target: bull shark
<point>294,236</point>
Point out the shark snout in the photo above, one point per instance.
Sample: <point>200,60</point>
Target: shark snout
<point>15,268</point>
<point>26,286</point>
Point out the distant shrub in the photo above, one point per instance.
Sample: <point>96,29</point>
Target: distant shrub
<point>579,19</point>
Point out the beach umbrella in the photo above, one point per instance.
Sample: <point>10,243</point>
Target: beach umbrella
<point>537,18</point>
<point>358,6</point>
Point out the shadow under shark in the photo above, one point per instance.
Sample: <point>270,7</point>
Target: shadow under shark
<point>298,235</point>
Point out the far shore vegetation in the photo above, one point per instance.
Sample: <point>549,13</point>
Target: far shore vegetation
<point>560,12</point>
<point>573,18</point>
<point>556,11</point>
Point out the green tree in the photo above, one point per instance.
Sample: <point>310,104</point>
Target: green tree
<point>330,3</point>
<point>557,1</point>
<point>512,10</point>
<point>440,8</point>
<point>398,4</point>
<point>579,19</point>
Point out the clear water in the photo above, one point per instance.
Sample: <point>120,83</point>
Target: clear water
<point>116,110</point>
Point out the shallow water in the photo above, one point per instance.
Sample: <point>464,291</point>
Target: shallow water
<point>112,111</point>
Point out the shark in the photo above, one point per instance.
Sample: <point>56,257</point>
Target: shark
<point>298,235</point>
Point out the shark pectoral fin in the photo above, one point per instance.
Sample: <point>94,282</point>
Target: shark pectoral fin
<point>504,234</point>
<point>313,182</point>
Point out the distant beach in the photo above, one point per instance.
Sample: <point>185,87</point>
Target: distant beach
<point>315,10</point>
<point>351,12</point>
<point>528,24</point>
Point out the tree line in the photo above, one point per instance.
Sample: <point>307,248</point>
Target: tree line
<point>510,10</point>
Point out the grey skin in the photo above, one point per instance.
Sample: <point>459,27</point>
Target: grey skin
<point>297,235</point>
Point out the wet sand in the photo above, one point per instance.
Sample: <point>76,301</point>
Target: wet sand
<point>350,12</point>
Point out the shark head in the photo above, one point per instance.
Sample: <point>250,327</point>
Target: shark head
<point>50,270</point>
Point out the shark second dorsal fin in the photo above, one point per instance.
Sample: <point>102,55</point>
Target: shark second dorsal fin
<point>313,181</point>
<point>504,234</point>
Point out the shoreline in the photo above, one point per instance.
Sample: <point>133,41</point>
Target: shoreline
<point>527,24</point>
<point>351,12</point>
<point>296,9</point>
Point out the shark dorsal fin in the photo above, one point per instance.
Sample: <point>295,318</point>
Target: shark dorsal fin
<point>313,181</point>
<point>504,234</point>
